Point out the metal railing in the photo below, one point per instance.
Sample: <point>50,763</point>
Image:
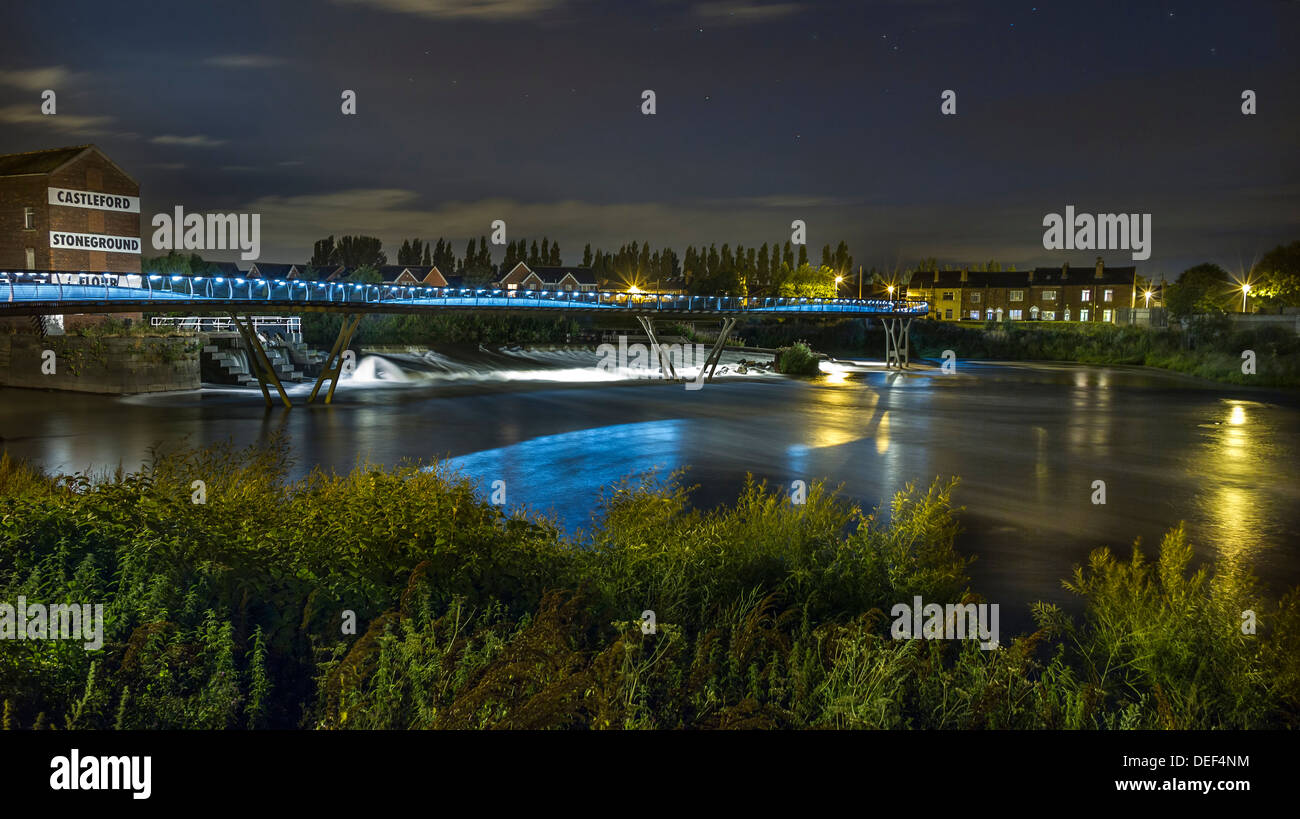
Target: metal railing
<point>30,286</point>
<point>290,325</point>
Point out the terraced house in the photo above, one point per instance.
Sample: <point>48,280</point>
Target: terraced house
<point>555,279</point>
<point>1041,294</point>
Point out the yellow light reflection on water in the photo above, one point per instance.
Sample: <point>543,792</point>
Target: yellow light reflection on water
<point>1231,467</point>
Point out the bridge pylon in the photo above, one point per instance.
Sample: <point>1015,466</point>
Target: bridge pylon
<point>261,364</point>
<point>334,361</point>
<point>897,346</point>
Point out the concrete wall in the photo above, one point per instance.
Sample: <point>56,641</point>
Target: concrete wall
<point>115,366</point>
<point>1242,321</point>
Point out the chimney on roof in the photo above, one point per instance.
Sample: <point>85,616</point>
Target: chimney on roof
<point>936,275</point>
<point>1031,277</point>
<point>965,274</point>
<point>1101,268</point>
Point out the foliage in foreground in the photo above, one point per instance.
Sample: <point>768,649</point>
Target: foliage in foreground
<point>228,614</point>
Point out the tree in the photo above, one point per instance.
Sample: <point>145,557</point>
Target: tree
<point>355,251</point>
<point>323,253</point>
<point>173,264</point>
<point>367,274</point>
<point>1275,279</point>
<point>586,255</point>
<point>809,282</point>
<point>1202,289</point>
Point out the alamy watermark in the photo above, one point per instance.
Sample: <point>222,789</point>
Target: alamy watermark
<point>642,361</point>
<point>1105,231</point>
<point>213,231</point>
<point>58,621</point>
<point>955,621</point>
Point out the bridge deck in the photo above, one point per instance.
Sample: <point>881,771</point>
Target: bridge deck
<point>29,293</point>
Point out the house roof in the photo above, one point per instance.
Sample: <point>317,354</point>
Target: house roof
<point>273,270</point>
<point>38,161</point>
<point>391,272</point>
<point>1076,276</point>
<point>584,275</point>
<point>226,269</point>
<point>48,160</point>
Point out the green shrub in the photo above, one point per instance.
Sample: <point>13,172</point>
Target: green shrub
<point>229,613</point>
<point>797,359</point>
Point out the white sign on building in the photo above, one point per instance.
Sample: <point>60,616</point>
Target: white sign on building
<point>95,201</point>
<point>63,240</point>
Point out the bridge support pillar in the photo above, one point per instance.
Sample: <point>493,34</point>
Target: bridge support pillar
<point>334,361</point>
<point>262,367</point>
<point>897,345</point>
<point>715,355</point>
<point>666,368</point>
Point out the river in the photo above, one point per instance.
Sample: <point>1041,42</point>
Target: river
<point>1027,441</point>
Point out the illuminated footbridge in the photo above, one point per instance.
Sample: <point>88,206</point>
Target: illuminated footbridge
<point>24,293</point>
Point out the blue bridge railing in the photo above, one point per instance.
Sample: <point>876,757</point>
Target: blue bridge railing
<point>27,287</point>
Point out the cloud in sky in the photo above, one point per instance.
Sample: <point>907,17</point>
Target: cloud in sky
<point>739,12</point>
<point>239,61</point>
<point>194,141</point>
<point>68,123</point>
<point>490,10</point>
<point>37,79</point>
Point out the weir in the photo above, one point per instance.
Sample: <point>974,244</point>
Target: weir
<point>39,293</point>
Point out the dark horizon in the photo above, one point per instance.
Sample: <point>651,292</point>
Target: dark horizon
<point>767,112</point>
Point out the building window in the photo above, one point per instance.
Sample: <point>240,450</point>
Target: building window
<point>1015,315</point>
<point>1105,315</point>
<point>1087,295</point>
<point>1083,314</point>
<point>947,313</point>
<point>947,295</point>
<point>975,314</point>
<point>974,298</point>
<point>1049,315</point>
<point>1049,295</point>
<point>31,258</point>
<point>1016,295</point>
<point>29,218</point>
<point>1108,295</point>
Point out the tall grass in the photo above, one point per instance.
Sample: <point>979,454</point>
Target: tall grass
<point>234,613</point>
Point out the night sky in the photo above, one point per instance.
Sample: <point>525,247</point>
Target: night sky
<point>530,111</point>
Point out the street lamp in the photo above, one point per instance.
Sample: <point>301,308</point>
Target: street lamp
<point>1147,295</point>
<point>1245,289</point>
<point>890,288</point>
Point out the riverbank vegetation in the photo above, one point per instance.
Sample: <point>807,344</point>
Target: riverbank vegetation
<point>1210,347</point>
<point>232,613</point>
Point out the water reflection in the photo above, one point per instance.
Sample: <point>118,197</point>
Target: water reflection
<point>1026,442</point>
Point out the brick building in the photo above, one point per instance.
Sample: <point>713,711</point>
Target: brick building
<point>558,279</point>
<point>69,209</point>
<point>1041,294</point>
<point>72,210</point>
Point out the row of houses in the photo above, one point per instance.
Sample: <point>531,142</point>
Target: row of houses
<point>520,277</point>
<point>1101,294</point>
